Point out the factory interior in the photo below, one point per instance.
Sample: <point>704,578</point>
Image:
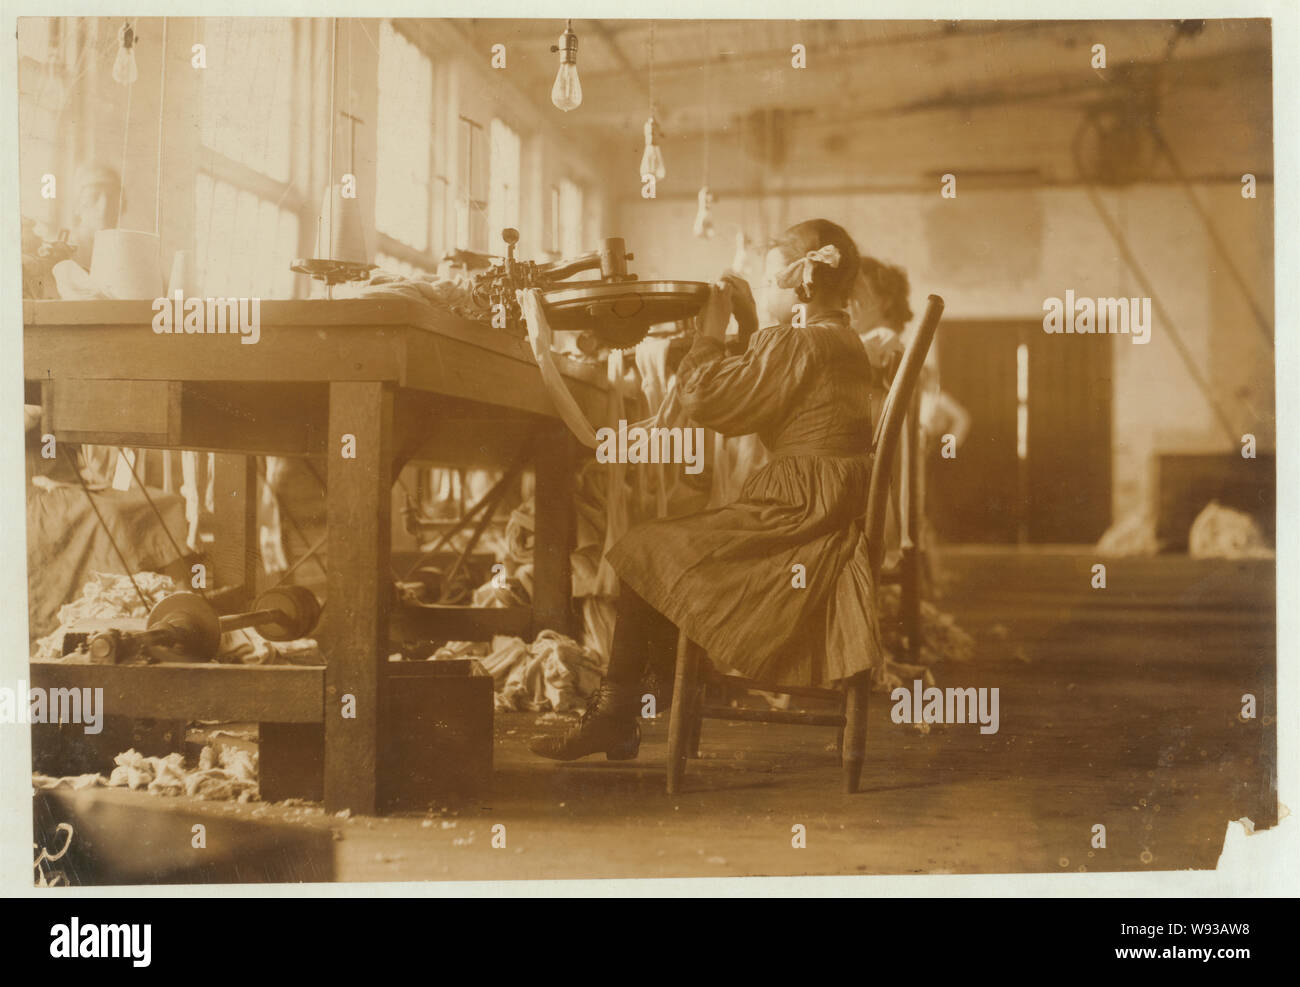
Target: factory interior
<point>337,577</point>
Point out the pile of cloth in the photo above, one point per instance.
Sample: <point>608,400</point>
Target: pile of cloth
<point>1223,533</point>
<point>553,674</point>
<point>228,774</point>
<point>107,596</point>
<point>451,293</point>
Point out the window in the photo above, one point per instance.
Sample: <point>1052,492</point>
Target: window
<point>572,241</point>
<point>503,193</point>
<point>246,206</point>
<point>553,229</point>
<point>248,92</point>
<point>49,56</point>
<point>230,263</point>
<point>471,188</point>
<point>404,195</point>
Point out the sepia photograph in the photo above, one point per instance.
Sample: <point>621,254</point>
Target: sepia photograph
<point>639,447</point>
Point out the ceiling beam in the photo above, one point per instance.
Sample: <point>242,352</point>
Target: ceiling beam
<point>634,75</point>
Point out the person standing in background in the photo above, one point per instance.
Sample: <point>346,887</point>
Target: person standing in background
<point>880,313</point>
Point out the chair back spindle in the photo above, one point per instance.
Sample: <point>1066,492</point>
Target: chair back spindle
<point>890,426</point>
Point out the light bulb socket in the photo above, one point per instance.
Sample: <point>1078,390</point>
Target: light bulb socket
<point>126,35</point>
<point>568,47</point>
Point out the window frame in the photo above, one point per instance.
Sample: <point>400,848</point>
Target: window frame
<point>437,188</point>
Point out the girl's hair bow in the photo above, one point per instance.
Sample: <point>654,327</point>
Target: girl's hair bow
<point>800,270</point>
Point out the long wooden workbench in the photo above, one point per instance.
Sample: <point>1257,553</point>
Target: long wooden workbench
<point>404,382</point>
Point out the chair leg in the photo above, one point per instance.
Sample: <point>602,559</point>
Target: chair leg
<point>854,750</point>
<point>679,720</point>
<point>697,721</point>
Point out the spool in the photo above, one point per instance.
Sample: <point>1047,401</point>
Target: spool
<point>342,231</point>
<point>192,620</point>
<point>189,626</point>
<point>183,277</point>
<point>125,264</point>
<point>298,610</point>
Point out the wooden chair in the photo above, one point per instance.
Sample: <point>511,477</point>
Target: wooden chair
<point>693,675</point>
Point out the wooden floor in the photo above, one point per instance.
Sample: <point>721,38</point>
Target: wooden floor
<point>1118,707</point>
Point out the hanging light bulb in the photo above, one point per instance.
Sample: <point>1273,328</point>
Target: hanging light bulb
<point>652,160</point>
<point>124,69</point>
<point>566,94</point>
<point>703,227</point>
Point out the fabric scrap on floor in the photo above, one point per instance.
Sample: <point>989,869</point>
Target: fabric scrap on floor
<point>552,674</point>
<point>1224,533</point>
<point>75,782</point>
<point>227,774</point>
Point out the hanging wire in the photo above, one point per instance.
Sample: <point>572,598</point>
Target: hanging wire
<point>181,554</point>
<point>126,133</point>
<point>162,110</point>
<point>708,102</point>
<point>334,41</point>
<point>652,68</point>
<point>126,568</point>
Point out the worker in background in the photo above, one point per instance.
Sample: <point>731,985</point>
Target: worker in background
<point>99,204</point>
<point>881,312</point>
<point>97,197</point>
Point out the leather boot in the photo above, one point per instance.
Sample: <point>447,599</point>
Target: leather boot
<point>608,726</point>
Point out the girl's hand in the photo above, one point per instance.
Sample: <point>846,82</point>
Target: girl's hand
<point>743,306</point>
<point>716,314</point>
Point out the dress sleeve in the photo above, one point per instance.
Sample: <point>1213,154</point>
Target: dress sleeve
<point>738,395</point>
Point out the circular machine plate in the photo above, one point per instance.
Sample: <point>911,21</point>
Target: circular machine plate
<point>297,603</point>
<point>195,619</point>
<point>620,313</point>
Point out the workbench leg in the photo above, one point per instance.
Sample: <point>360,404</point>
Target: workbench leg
<point>235,554</point>
<point>355,625</point>
<point>555,532</point>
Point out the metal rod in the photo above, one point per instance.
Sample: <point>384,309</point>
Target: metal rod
<point>235,621</point>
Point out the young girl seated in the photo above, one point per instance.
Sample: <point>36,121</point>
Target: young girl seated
<point>776,585</point>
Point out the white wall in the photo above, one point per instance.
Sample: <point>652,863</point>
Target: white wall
<point>1000,253</point>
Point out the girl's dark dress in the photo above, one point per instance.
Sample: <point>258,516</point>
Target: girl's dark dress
<point>727,576</point>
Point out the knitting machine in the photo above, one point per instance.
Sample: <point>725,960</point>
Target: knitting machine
<point>617,308</point>
<point>190,628</point>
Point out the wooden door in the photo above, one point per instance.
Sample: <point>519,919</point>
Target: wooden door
<point>1036,466</point>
